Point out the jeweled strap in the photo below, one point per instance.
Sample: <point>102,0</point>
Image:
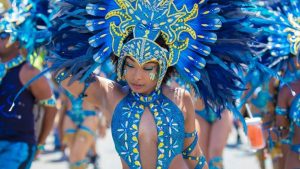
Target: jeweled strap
<point>280,111</point>
<point>51,102</point>
<point>62,76</point>
<point>189,135</point>
<point>14,62</point>
<point>191,147</point>
<point>79,164</point>
<point>216,163</point>
<point>296,148</point>
<point>200,160</point>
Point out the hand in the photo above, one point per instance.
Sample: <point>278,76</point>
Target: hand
<point>37,153</point>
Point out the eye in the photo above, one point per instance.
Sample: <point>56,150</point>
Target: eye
<point>149,68</point>
<point>129,65</point>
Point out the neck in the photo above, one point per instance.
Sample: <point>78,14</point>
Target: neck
<point>151,91</point>
<point>9,57</point>
<point>148,92</point>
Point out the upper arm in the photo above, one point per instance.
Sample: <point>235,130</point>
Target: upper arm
<point>199,104</point>
<point>189,112</point>
<point>40,88</point>
<point>282,102</point>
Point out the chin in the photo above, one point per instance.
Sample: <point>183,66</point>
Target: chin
<point>140,91</point>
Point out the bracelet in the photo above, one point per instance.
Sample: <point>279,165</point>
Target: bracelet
<point>51,102</point>
<point>41,147</point>
<point>280,111</point>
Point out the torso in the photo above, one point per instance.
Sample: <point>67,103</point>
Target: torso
<point>77,109</point>
<point>149,134</point>
<point>17,125</point>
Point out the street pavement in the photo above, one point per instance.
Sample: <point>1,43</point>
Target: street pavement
<point>235,157</point>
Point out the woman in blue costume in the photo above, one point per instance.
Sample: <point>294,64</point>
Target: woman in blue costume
<point>259,100</point>
<point>213,133</point>
<point>23,33</point>
<point>279,35</point>
<point>288,116</point>
<point>80,124</point>
<point>152,125</point>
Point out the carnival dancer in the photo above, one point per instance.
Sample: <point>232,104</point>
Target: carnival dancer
<point>259,100</point>
<point>19,39</point>
<point>214,133</point>
<point>288,117</point>
<point>152,125</point>
<point>278,34</point>
<point>80,125</point>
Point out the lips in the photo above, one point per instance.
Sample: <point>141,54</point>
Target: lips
<point>136,86</point>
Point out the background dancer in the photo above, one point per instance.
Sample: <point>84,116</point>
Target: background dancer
<point>18,143</point>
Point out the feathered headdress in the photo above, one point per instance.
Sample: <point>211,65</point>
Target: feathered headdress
<point>203,41</point>
<point>27,22</point>
<point>276,26</point>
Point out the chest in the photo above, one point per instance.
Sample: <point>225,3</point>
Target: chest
<point>159,123</point>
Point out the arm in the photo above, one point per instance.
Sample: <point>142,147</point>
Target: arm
<point>199,104</point>
<point>41,91</point>
<point>192,152</point>
<point>282,122</point>
<point>62,111</point>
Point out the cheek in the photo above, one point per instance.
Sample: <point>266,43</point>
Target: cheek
<point>130,73</point>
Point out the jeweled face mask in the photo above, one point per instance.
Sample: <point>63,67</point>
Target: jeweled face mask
<point>144,51</point>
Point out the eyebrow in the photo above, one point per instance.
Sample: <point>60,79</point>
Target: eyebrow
<point>129,58</point>
<point>150,63</point>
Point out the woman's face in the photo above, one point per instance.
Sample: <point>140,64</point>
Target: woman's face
<point>141,78</point>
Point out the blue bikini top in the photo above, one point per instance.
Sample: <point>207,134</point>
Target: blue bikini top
<point>77,101</point>
<point>294,113</point>
<point>262,99</point>
<point>169,122</point>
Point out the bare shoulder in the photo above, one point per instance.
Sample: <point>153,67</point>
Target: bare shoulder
<point>285,92</point>
<point>285,96</point>
<point>177,94</point>
<point>181,97</point>
<point>28,72</point>
<point>113,92</point>
<point>111,87</point>
<point>40,87</point>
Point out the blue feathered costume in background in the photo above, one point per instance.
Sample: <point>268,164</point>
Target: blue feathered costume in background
<point>277,28</point>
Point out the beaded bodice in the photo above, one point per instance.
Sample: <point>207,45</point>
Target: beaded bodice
<point>169,122</point>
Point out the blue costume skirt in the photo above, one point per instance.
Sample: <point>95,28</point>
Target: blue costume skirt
<point>16,155</point>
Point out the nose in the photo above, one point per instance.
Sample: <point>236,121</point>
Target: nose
<point>138,75</point>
